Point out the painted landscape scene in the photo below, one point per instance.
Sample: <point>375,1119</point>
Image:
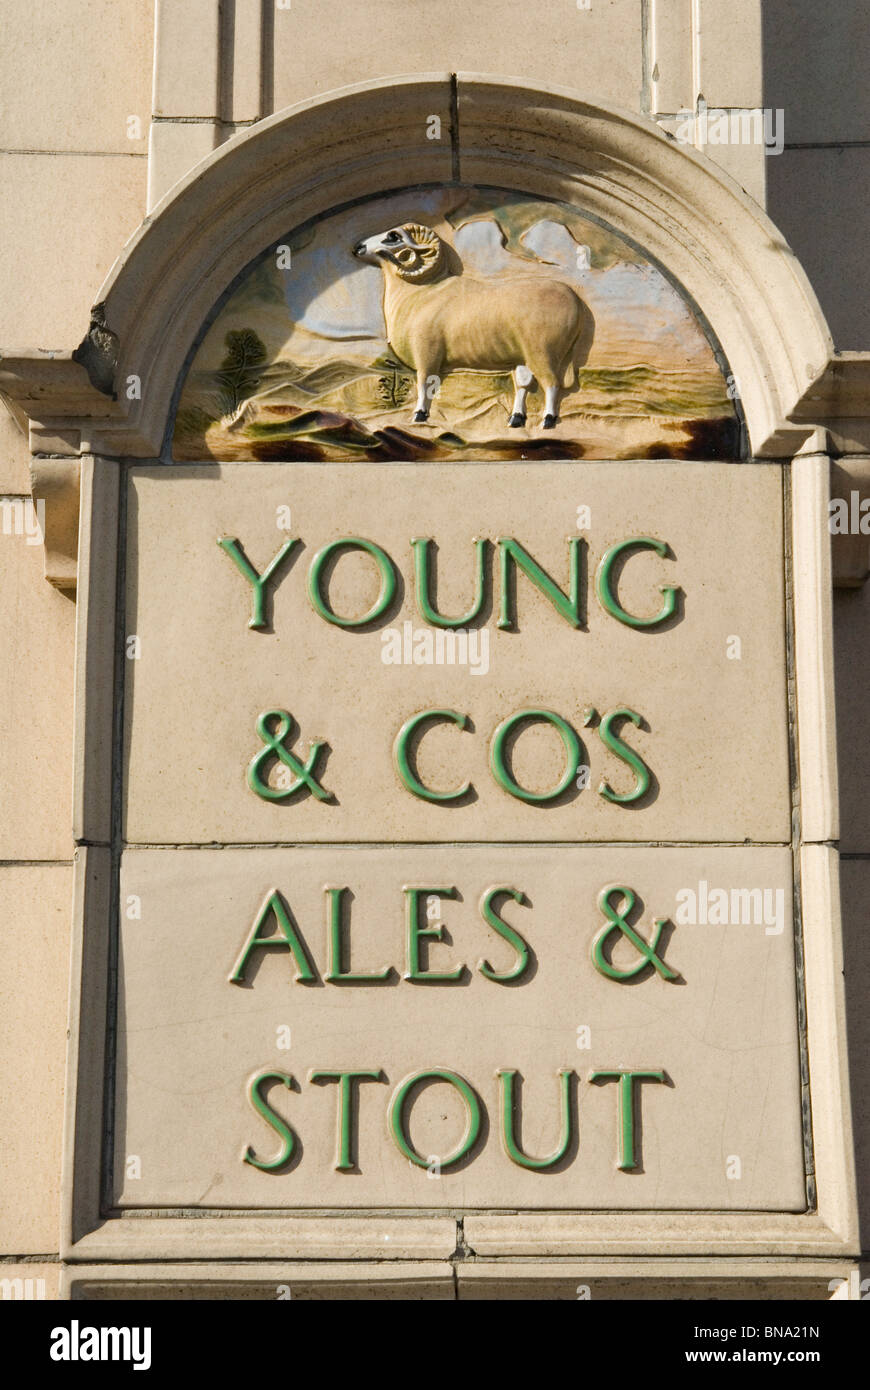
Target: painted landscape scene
<point>455,323</point>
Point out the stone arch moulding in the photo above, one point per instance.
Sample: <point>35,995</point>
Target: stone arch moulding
<point>373,138</point>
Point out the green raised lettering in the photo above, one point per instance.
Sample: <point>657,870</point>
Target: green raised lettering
<point>497,762</point>
<point>512,554</point>
<point>626,754</point>
<point>423,564</point>
<point>417,934</point>
<point>604,583</point>
<point>509,1106</point>
<point>618,922</point>
<point>230,546</point>
<point>336,899</point>
<point>398,1118</point>
<point>386,569</point>
<point>261,1105</point>
<point>403,758</point>
<point>627,1158</point>
<point>287,938</point>
<point>346,1160</point>
<point>498,924</point>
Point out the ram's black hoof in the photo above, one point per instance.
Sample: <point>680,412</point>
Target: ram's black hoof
<point>549,422</point>
<point>420,417</point>
<point>516,420</point>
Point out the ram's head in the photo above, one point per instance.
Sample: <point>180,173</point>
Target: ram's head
<point>414,252</point>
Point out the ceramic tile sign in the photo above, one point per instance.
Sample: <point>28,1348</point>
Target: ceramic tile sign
<point>528,652</point>
<point>456,323</point>
<point>456,821</point>
<point>473,1026</point>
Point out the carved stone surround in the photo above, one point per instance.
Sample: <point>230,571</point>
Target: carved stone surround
<point>798,394</point>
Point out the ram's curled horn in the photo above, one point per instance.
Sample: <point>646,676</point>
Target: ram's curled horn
<point>425,258</point>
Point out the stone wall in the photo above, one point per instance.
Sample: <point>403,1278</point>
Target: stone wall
<point>105,106</point>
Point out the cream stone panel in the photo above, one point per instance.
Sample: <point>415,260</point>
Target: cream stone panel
<point>63,221</point>
<point>35,916</point>
<point>852,677</point>
<point>828,1044</point>
<point>722,1133</point>
<point>820,198</point>
<point>814,69</point>
<point>729,55</point>
<point>14,456</point>
<point>313,1238</point>
<point>599,1280</point>
<point>28,1282</point>
<point>96,638</point>
<point>247,82</point>
<point>671,55</point>
<point>299,1283</point>
<point>554,1235</point>
<point>37,638</point>
<point>187,58</point>
<point>855,902</point>
<point>597,51</point>
<point>477,1279</point>
<point>814,649</point>
<point>173,149</point>
<point>72,74</point>
<point>715,726</point>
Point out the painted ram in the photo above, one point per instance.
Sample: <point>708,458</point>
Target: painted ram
<point>440,319</point>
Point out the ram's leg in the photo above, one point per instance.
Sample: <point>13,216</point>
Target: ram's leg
<point>551,407</point>
<point>545,366</point>
<point>421,410</point>
<point>522,382</point>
